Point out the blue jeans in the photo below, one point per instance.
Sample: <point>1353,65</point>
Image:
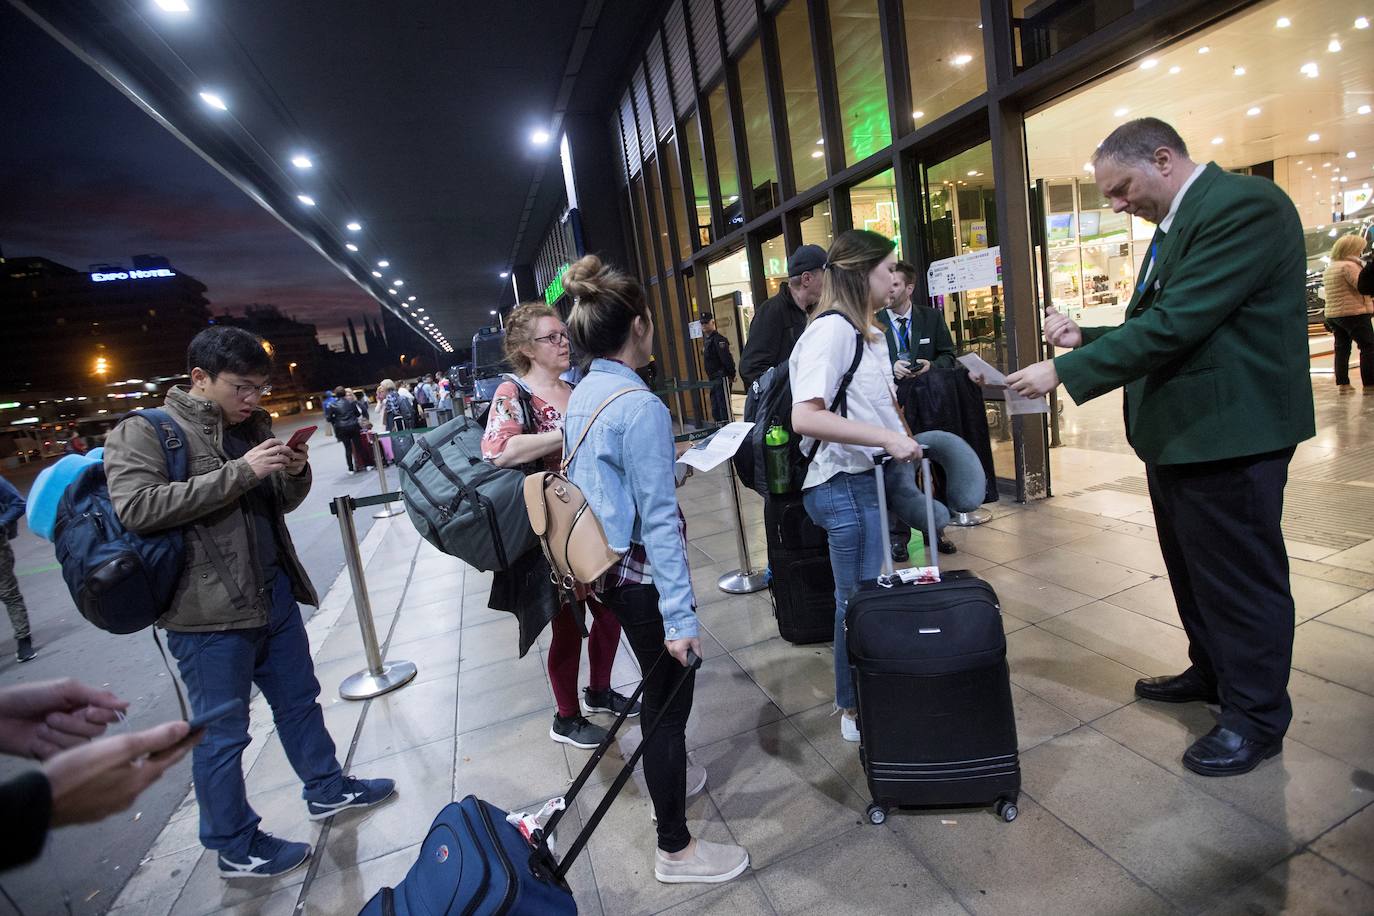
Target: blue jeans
<point>846,506</point>
<point>224,665</point>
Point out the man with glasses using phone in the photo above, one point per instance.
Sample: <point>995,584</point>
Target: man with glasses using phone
<point>234,620</point>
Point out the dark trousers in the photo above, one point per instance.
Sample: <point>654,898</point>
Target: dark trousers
<point>1357,330</point>
<point>351,439</point>
<point>1218,524</point>
<point>224,665</point>
<point>720,406</point>
<point>665,755</point>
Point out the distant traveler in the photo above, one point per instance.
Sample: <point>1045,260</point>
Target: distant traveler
<point>11,510</point>
<point>537,347</point>
<point>398,408</point>
<point>1214,360</point>
<point>346,416</point>
<point>1348,313</point>
<point>84,777</point>
<point>917,340</point>
<point>236,623</point>
<point>719,364</point>
<point>780,320</point>
<point>424,397</point>
<point>624,466</point>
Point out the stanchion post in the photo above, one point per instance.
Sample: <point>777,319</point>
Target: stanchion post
<point>386,511</point>
<point>745,580</point>
<point>379,677</point>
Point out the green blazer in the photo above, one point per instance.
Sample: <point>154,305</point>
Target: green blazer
<point>928,335</point>
<point>1213,352</point>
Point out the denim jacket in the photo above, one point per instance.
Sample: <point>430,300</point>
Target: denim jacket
<point>625,468</point>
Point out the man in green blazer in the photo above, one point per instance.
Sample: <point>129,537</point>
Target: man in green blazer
<point>1214,361</point>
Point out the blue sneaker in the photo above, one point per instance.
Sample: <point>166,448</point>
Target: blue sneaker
<point>268,857</point>
<point>357,793</point>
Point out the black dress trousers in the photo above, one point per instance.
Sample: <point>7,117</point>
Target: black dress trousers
<point>1219,531</point>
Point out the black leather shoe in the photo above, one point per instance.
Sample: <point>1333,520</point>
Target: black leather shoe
<point>1222,752</point>
<point>1187,687</point>
<point>947,546</point>
<point>899,552</point>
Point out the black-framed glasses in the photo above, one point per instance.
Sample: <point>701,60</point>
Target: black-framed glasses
<point>244,391</point>
<point>554,339</point>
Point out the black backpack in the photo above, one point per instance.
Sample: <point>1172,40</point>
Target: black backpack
<point>1365,283</point>
<point>769,403</point>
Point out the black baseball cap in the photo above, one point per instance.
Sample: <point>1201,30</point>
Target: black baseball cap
<point>705,317</point>
<point>806,258</point>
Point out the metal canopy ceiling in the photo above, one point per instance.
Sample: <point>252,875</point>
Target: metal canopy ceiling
<point>416,118</point>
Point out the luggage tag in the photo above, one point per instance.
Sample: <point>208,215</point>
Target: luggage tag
<point>919,575</point>
<point>531,826</point>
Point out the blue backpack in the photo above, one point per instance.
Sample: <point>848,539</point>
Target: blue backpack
<point>121,581</point>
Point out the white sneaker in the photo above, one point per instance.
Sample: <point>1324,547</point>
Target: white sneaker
<point>849,727</point>
<point>710,863</point>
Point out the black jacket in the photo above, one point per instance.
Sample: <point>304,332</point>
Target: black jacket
<point>772,335</point>
<point>948,399</point>
<point>345,416</point>
<point>927,336</point>
<point>720,363</point>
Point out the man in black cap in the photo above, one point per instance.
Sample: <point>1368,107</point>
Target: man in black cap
<point>720,364</point>
<point>780,320</point>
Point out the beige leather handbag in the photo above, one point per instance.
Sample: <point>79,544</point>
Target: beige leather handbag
<point>567,528</point>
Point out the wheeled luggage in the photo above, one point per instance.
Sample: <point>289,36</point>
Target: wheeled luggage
<point>802,584</point>
<point>474,860</point>
<point>929,662</point>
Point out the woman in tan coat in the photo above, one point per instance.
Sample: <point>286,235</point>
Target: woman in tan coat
<point>1348,314</point>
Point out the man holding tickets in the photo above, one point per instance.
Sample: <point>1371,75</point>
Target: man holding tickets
<point>1214,361</point>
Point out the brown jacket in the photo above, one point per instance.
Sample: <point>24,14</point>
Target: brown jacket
<point>211,507</point>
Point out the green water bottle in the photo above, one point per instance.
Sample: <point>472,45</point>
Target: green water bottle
<point>775,459</point>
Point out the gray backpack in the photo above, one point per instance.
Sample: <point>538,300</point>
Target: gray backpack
<point>463,504</point>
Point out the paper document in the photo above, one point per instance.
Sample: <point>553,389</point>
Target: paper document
<point>992,376</point>
<point>709,453</point>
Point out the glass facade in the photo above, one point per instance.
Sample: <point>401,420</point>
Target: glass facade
<point>820,66</point>
<point>857,41</point>
<point>798,67</point>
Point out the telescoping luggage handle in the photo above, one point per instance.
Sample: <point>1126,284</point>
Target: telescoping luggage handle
<point>932,542</point>
<point>561,869</point>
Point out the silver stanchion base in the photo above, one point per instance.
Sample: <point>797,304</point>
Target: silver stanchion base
<point>388,512</point>
<point>970,519</point>
<point>741,582</point>
<point>365,685</point>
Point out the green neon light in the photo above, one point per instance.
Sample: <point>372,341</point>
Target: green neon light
<point>554,291</point>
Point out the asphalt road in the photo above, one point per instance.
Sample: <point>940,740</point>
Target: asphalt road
<point>85,867</point>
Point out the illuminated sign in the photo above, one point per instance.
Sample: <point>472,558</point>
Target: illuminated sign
<point>132,275</point>
<point>554,291</point>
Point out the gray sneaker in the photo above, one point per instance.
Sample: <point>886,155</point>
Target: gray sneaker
<point>577,731</point>
<point>709,863</point>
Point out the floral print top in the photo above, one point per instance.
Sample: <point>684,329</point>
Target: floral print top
<point>507,419</point>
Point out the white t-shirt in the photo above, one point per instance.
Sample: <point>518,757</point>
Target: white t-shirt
<point>818,363</point>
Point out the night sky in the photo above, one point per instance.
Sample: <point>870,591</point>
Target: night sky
<point>86,177</point>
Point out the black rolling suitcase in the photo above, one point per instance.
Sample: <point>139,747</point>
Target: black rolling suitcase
<point>929,662</point>
<point>802,585</point>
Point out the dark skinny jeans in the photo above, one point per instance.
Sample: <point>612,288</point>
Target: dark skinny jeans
<point>665,754</point>
<point>1357,330</point>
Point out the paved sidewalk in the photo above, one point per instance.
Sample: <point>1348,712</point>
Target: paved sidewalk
<point>1110,822</point>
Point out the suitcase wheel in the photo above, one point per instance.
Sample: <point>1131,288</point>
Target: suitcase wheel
<point>878,814</point>
<point>1006,810</point>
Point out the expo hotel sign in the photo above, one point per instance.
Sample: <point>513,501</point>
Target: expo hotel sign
<point>132,275</point>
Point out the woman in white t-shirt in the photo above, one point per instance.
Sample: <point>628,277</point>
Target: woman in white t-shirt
<point>840,490</point>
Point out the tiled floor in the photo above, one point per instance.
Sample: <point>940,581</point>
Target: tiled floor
<point>1110,821</point>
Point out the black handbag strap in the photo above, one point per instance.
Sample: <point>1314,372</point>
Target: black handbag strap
<point>580,842</point>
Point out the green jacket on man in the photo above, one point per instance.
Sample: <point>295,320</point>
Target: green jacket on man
<point>1213,352</point>
<point>211,508</point>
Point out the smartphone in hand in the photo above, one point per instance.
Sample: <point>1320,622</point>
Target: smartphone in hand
<point>300,437</point>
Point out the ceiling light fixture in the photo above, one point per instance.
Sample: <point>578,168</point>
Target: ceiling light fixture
<point>1363,109</point>
<point>1284,22</point>
<point>1149,63</point>
<point>821,141</point>
<point>1253,111</point>
<point>392,291</point>
<point>214,100</point>
<point>1175,70</point>
<point>383,263</point>
<point>817,154</point>
<point>1204,50</point>
<point>1309,70</point>
<point>960,60</point>
<point>504,275</point>
<point>1120,112</point>
<point>306,199</point>
<point>1350,155</point>
<point>1237,71</point>
<point>412,299</point>
<point>1334,46</point>
<point>399,282</point>
<point>377,274</point>
<point>173,6</point>
<point>539,137</point>
<point>918,115</point>
<point>354,226</point>
<point>302,162</point>
<point>1217,141</point>
<point>1362,23</point>
<point>350,246</point>
<point>1313,138</point>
